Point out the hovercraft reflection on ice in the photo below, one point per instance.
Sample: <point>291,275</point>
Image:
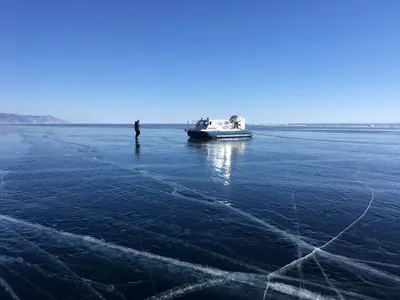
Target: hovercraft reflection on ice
<point>219,156</point>
<point>235,127</point>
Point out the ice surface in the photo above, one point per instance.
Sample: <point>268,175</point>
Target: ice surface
<point>287,215</point>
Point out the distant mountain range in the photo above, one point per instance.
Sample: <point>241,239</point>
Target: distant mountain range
<point>27,119</point>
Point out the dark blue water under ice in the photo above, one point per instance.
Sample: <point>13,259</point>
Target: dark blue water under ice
<point>294,213</point>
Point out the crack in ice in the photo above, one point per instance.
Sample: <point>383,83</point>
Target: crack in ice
<point>312,253</point>
<point>8,289</point>
<point>58,261</point>
<point>327,279</point>
<point>184,289</point>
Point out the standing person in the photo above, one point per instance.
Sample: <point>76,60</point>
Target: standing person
<point>137,128</point>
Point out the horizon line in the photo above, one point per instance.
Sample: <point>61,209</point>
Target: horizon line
<point>169,123</point>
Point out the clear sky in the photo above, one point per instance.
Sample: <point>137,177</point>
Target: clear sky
<point>172,61</point>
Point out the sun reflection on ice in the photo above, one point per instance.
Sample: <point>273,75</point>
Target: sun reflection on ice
<point>219,156</point>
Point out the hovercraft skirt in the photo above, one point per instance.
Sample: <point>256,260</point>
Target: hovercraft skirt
<point>201,134</point>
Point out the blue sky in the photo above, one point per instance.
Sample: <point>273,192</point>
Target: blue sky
<point>173,61</point>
